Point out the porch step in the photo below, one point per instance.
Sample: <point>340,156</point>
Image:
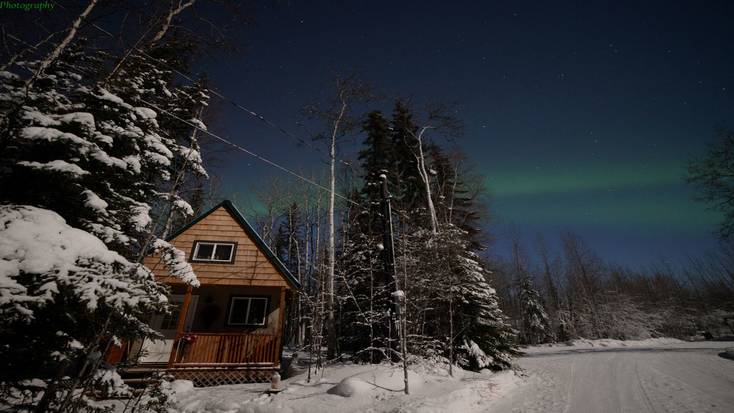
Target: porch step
<point>140,382</point>
<point>141,375</point>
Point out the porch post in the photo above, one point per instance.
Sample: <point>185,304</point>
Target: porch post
<point>180,325</point>
<point>281,333</point>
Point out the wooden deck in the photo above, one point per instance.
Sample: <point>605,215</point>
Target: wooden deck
<point>206,349</point>
<point>214,358</point>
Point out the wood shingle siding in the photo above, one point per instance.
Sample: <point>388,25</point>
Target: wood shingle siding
<point>250,267</point>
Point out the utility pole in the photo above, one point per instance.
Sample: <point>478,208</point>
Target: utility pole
<point>398,295</point>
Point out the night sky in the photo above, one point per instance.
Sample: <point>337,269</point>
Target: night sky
<point>582,116</point>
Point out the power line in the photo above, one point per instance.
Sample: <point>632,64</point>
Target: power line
<point>251,113</point>
<point>229,100</point>
<point>225,98</point>
<point>249,152</point>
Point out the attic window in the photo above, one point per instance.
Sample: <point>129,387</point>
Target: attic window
<point>213,251</point>
<point>247,311</point>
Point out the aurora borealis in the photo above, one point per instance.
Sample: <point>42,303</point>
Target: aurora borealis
<point>582,115</point>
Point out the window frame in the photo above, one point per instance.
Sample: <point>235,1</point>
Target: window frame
<point>195,249</point>
<point>232,300</point>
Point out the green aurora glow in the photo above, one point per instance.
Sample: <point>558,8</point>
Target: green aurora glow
<point>633,197</point>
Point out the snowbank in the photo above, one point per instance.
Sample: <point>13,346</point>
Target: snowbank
<point>363,383</point>
<point>601,344</point>
<point>182,386</point>
<point>353,388</point>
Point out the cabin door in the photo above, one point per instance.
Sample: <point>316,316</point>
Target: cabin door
<point>158,351</point>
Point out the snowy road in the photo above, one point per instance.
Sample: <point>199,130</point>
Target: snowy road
<point>683,378</point>
<point>599,376</point>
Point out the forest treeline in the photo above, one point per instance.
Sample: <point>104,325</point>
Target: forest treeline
<point>575,293</point>
<point>450,309</point>
<point>544,295</point>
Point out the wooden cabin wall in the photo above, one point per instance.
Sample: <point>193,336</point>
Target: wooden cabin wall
<point>250,267</point>
<point>220,297</point>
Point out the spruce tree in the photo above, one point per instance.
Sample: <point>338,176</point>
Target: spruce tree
<point>362,255</point>
<point>536,327</point>
<point>84,163</point>
<point>377,156</point>
<point>406,188</point>
<point>481,337</point>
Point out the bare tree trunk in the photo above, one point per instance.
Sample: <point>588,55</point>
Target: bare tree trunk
<point>453,194</point>
<point>127,54</point>
<point>61,46</point>
<point>29,47</point>
<point>297,330</point>
<point>307,257</point>
<point>180,178</point>
<point>451,330</point>
<point>548,275</point>
<point>332,247</point>
<point>169,18</point>
<point>420,157</point>
<point>404,345</point>
<point>317,311</point>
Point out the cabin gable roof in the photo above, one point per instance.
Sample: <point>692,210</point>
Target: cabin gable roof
<point>252,235</point>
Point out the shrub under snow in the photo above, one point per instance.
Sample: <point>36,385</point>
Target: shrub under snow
<point>40,255</point>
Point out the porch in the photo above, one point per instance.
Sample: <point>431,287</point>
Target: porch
<point>205,349</point>
<point>216,334</point>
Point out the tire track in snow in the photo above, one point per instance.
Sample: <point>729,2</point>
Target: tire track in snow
<point>648,402</point>
<point>570,386</point>
<point>696,404</point>
<point>690,380</point>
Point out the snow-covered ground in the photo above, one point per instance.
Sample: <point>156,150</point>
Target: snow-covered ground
<point>656,375</point>
<point>608,344</point>
<point>662,375</point>
<point>359,388</point>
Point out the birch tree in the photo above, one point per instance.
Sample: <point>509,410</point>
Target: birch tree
<point>338,116</point>
<point>56,52</point>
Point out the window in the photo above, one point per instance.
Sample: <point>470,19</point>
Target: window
<point>210,251</point>
<point>170,320</point>
<point>247,311</point>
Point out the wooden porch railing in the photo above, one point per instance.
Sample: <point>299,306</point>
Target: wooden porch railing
<point>229,349</point>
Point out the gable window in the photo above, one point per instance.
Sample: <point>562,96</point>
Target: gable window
<point>213,251</point>
<point>247,311</point>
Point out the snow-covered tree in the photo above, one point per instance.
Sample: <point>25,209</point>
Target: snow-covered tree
<point>536,328</point>
<point>339,120</point>
<point>366,298</point>
<point>85,160</point>
<point>64,298</point>
<point>486,340</point>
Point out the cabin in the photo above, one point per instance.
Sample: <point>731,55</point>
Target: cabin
<point>230,328</point>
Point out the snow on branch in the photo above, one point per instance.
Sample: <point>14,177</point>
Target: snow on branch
<point>56,166</point>
<point>40,255</point>
<point>175,261</point>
